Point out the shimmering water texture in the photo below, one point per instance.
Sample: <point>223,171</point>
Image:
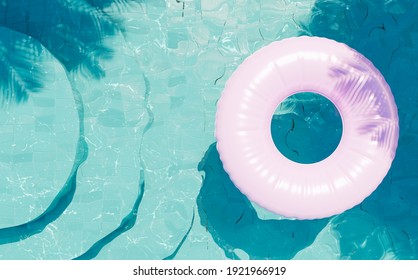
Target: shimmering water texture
<point>107,125</point>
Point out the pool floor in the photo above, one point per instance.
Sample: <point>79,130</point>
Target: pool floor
<point>108,147</point>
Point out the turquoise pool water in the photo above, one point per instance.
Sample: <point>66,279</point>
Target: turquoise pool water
<point>107,124</point>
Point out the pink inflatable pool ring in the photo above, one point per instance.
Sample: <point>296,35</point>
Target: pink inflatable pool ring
<point>368,143</point>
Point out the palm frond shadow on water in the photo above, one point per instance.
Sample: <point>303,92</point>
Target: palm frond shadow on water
<point>20,69</point>
<point>384,225</point>
<point>73,32</point>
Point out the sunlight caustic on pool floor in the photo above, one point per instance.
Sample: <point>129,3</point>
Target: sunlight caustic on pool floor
<point>152,185</point>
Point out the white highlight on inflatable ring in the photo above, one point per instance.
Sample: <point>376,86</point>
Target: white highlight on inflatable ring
<point>365,103</point>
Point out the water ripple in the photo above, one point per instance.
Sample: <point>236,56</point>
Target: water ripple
<point>66,194</point>
<point>129,220</point>
<point>174,254</point>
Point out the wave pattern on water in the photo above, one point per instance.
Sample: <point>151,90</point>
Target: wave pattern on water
<point>130,219</point>
<point>66,194</point>
<point>383,226</point>
<point>174,254</point>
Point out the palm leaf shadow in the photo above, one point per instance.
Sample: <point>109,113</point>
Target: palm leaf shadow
<point>21,71</point>
<point>103,4</point>
<point>74,32</point>
<point>384,225</point>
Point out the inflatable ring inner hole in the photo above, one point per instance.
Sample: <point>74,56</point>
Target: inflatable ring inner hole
<point>306,127</point>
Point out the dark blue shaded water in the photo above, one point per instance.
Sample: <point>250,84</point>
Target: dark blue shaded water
<point>231,219</point>
<point>385,225</point>
<point>307,128</point>
<point>72,31</point>
<point>19,53</point>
